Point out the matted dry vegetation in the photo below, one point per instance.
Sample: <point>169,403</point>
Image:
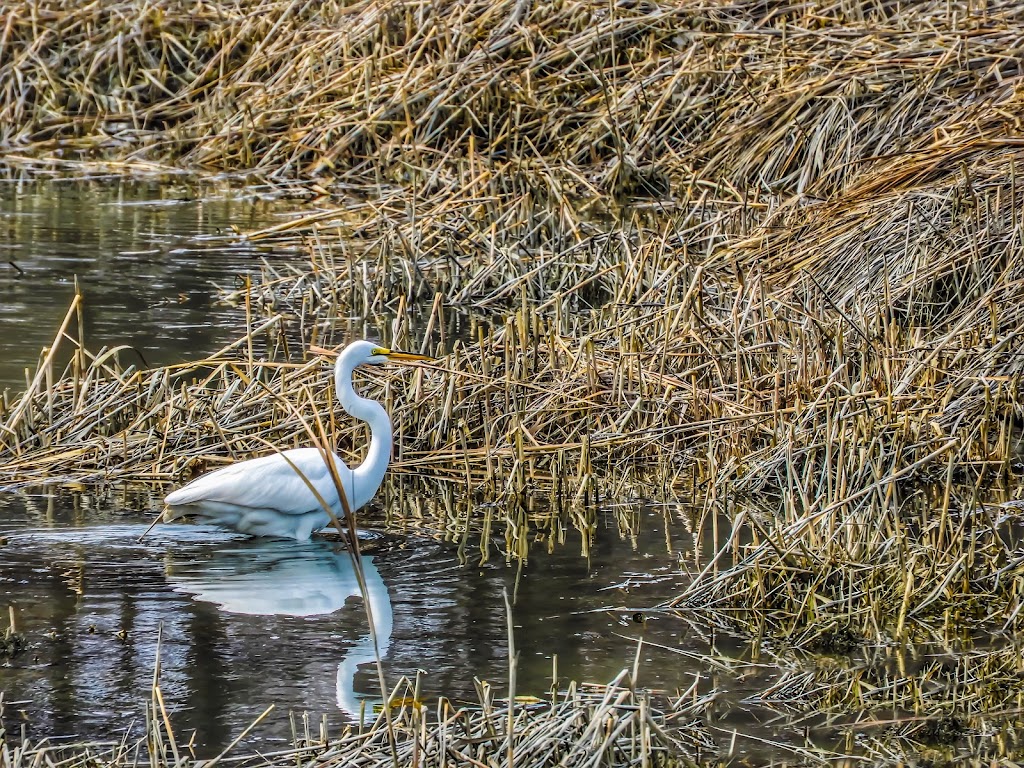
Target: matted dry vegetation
<point>774,252</point>
<point>611,725</point>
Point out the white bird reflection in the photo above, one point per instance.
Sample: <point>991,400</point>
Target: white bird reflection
<point>279,577</point>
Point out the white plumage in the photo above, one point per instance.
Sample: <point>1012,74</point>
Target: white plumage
<point>268,496</point>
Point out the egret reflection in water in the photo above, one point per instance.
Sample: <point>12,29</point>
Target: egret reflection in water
<point>279,577</point>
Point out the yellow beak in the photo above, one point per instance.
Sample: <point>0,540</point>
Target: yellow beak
<point>395,356</point>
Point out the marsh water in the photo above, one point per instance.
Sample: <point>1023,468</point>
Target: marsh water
<point>147,256</point>
<point>246,623</point>
<point>242,624</point>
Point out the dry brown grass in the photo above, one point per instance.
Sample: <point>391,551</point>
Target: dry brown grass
<point>759,97</point>
<point>609,726</point>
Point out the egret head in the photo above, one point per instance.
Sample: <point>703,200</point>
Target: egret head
<point>368,353</point>
<point>377,355</point>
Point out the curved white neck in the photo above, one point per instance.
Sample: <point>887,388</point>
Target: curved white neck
<point>369,475</point>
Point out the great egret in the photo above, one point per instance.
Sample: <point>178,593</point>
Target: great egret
<point>269,497</point>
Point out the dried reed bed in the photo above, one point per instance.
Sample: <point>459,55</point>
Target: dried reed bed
<point>871,428</point>
<point>925,702</point>
<point>917,370</point>
<point>757,97</point>
<point>609,725</point>
<point>931,684</point>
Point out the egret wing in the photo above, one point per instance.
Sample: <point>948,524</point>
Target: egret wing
<point>269,482</point>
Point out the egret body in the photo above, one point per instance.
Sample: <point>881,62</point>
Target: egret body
<point>269,497</point>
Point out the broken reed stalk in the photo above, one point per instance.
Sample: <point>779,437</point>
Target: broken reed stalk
<point>322,440</point>
<point>44,370</point>
<point>513,665</point>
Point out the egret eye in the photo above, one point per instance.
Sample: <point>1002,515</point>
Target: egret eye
<point>380,351</point>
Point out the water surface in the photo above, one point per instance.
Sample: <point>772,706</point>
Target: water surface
<point>249,622</point>
<point>146,254</point>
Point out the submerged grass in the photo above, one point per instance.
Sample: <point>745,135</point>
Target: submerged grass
<point>764,257</point>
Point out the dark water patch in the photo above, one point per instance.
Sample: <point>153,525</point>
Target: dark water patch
<point>250,622</point>
<point>146,255</point>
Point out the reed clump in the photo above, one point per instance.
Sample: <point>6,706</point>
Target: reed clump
<point>609,725</point>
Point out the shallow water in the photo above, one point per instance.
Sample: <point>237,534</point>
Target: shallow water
<point>247,622</point>
<point>145,254</point>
